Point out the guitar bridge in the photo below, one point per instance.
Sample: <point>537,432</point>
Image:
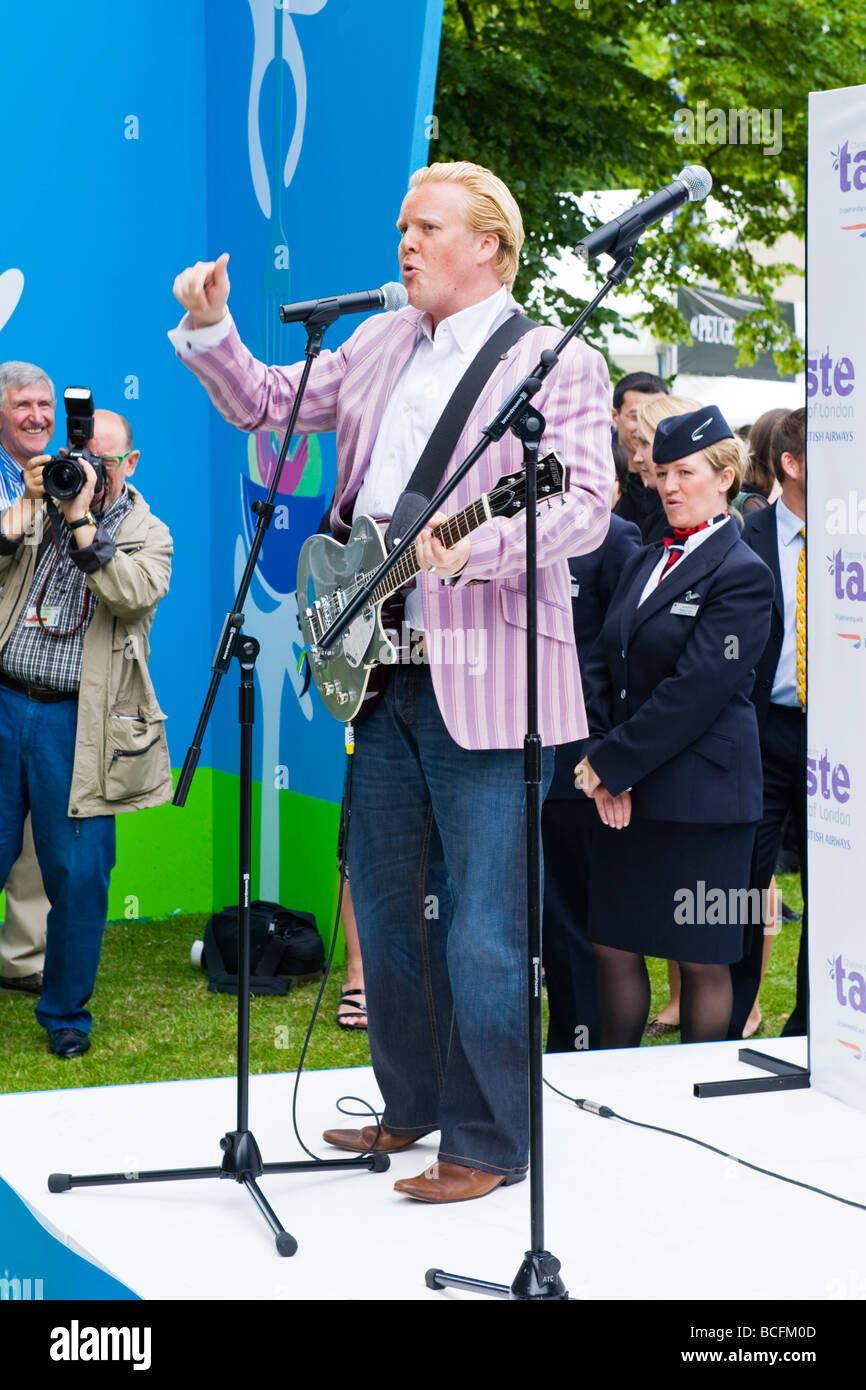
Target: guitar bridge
<point>325,610</point>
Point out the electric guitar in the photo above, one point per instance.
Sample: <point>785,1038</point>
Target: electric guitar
<point>330,574</point>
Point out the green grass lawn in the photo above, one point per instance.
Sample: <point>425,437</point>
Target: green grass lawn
<point>154,1019</point>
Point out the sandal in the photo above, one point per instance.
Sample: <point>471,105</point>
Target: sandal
<point>352,1016</point>
<point>656,1029</point>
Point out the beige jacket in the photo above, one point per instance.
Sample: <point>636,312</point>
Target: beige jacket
<point>121,755</point>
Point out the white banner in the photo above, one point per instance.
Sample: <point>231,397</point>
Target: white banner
<point>836,569</point>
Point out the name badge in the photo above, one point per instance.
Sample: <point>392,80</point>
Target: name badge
<point>686,610</point>
<point>48,613</point>
<point>575,588</point>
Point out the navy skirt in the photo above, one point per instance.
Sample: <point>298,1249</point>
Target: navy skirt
<point>673,889</point>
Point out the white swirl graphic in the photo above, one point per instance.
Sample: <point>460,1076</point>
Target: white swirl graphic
<point>11,286</point>
<point>264,32</point>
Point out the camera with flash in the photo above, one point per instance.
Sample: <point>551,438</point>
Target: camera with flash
<point>63,476</point>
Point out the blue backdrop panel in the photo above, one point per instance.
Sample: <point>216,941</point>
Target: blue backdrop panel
<point>108,132</point>
<point>308,161</point>
<point>155,136</point>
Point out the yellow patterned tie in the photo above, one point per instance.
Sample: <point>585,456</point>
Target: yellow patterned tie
<point>801,622</point>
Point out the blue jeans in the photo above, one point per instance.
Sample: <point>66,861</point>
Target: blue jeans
<point>437,848</point>
<point>37,747</point>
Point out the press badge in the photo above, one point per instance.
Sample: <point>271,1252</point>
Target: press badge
<point>686,610</point>
<point>48,612</point>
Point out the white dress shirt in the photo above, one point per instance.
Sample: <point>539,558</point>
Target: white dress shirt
<point>420,395</point>
<point>418,399</point>
<point>790,542</point>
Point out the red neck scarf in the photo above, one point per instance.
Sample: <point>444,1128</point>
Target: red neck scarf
<point>674,541</point>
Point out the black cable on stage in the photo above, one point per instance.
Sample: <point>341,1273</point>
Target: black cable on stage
<point>341,850</point>
<point>606,1113</point>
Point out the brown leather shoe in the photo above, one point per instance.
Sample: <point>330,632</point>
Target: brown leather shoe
<point>451,1182</point>
<point>361,1140</point>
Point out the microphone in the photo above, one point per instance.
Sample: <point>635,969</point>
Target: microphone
<point>690,186</point>
<point>390,296</point>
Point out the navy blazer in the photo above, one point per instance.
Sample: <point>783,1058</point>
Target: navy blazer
<point>594,578</point>
<point>668,692</point>
<point>760,533</point>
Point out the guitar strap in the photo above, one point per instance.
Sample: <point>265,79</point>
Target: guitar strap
<point>429,469</point>
<point>448,428</point>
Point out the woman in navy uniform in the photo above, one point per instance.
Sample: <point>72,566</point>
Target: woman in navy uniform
<point>673,760</point>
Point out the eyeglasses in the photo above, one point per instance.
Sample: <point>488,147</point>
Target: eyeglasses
<point>115,460</point>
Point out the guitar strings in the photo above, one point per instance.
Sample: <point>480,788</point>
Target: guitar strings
<point>407,568</point>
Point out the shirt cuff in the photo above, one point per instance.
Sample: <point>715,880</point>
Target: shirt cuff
<point>483,558</point>
<point>92,557</point>
<point>453,578</point>
<point>189,342</point>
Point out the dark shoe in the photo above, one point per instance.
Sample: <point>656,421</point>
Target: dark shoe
<point>451,1182</point>
<point>68,1042</point>
<point>352,1016</point>
<point>361,1140</point>
<point>30,984</point>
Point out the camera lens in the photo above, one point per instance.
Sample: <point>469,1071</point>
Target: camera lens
<point>63,479</point>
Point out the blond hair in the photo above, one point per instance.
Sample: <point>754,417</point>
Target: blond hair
<point>729,453</point>
<point>490,207</point>
<point>656,410</point>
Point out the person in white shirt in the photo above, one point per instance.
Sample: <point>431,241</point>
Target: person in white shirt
<point>778,535</point>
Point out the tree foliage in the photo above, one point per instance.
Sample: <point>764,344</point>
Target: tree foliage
<point>564,97</point>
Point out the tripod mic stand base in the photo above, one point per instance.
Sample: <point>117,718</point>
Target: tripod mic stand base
<point>242,1162</point>
<point>537,1279</point>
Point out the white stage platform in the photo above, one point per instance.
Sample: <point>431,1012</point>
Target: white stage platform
<point>630,1214</point>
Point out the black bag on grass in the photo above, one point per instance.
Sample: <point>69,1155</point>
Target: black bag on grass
<point>282,943</point>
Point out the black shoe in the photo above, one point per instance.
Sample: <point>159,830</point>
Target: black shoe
<point>30,984</point>
<point>68,1042</point>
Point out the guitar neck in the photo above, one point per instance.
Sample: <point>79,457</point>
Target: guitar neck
<point>448,532</point>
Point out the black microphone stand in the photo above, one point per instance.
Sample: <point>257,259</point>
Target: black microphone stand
<point>242,1159</point>
<point>538,1276</point>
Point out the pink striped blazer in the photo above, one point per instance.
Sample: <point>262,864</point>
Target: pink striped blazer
<point>476,627</point>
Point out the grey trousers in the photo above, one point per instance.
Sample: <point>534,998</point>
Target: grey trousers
<point>22,938</point>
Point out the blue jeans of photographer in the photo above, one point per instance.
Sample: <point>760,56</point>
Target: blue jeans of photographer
<point>437,840</point>
<point>37,749</point>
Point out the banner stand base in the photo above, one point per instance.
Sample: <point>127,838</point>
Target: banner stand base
<point>787,1077</point>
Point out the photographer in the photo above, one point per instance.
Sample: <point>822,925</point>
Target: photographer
<point>27,404</point>
<point>81,733</point>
